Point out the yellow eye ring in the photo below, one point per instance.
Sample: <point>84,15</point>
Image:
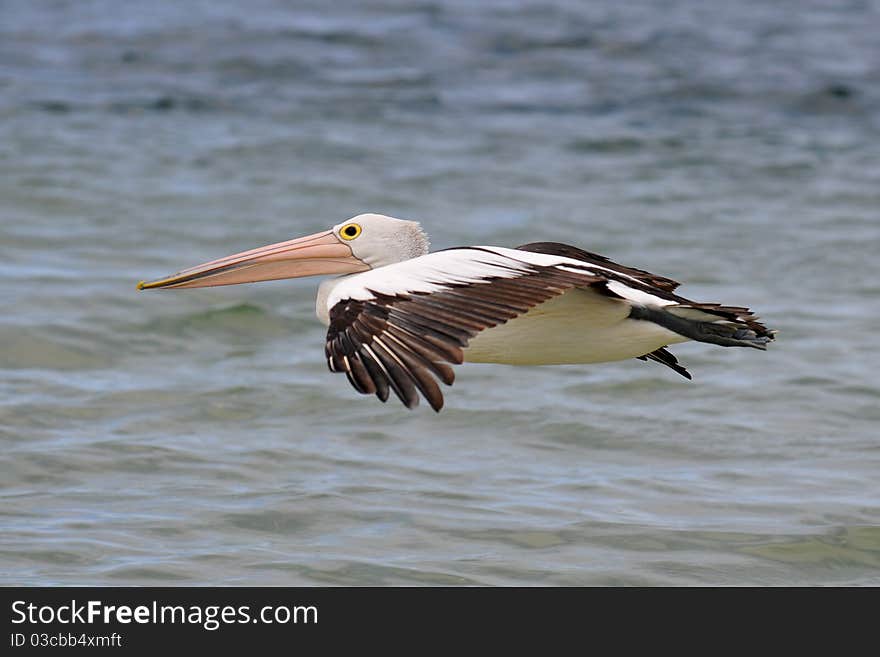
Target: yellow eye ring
<point>349,231</point>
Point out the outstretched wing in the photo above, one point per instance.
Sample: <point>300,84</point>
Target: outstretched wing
<point>400,327</point>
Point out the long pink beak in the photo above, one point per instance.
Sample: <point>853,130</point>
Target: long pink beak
<point>321,253</point>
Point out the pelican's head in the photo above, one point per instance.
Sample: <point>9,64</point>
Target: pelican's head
<point>364,242</point>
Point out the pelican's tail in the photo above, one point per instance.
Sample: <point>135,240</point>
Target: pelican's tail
<point>729,326</point>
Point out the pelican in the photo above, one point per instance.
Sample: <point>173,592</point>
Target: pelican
<point>399,316</point>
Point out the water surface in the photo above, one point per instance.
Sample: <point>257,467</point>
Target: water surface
<point>197,438</point>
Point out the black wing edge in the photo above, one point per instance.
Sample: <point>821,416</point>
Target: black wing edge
<point>573,252</point>
<point>666,357</point>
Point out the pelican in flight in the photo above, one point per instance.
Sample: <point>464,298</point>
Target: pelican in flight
<point>398,316</point>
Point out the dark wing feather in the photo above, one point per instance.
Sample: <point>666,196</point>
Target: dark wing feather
<point>403,342</point>
<point>666,358</point>
<point>568,251</point>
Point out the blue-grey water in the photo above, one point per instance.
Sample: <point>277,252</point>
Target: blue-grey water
<point>196,437</point>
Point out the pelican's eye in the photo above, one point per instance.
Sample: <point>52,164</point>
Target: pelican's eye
<point>349,231</point>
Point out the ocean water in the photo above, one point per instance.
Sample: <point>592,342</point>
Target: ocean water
<point>196,437</point>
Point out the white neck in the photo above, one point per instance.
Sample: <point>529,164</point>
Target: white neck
<point>324,289</point>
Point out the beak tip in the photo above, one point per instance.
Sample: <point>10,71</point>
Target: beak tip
<point>141,285</point>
